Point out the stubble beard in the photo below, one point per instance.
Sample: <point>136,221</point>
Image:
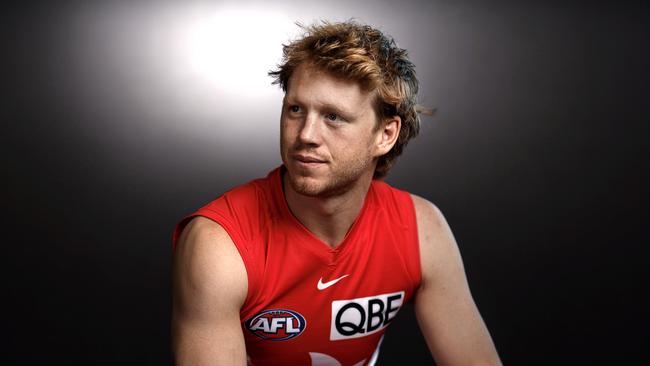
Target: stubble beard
<point>336,184</point>
<point>338,181</point>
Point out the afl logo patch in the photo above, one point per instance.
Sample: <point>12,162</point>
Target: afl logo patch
<point>277,324</point>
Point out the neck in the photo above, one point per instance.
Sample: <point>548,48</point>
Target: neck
<point>328,218</point>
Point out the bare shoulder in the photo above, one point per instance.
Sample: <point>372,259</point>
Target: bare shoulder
<point>207,263</point>
<point>432,225</point>
<point>445,309</point>
<point>201,231</point>
<point>427,213</point>
<point>208,290</point>
<point>438,246</point>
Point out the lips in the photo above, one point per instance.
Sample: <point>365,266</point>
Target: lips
<point>307,159</point>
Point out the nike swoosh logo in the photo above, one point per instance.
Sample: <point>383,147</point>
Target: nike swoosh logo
<point>323,286</point>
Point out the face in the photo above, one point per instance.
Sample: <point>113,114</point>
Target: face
<point>329,137</point>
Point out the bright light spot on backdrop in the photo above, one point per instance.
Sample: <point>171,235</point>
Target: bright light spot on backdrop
<point>189,77</point>
<point>232,49</point>
<point>192,61</point>
<point>188,80</point>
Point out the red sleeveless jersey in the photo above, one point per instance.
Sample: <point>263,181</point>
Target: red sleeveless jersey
<point>308,303</point>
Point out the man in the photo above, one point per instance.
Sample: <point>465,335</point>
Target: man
<point>309,265</point>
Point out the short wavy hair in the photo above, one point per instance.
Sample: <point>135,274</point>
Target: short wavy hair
<point>359,52</point>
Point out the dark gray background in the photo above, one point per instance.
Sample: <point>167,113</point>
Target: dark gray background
<point>536,157</point>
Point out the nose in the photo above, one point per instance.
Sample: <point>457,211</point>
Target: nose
<point>310,133</point>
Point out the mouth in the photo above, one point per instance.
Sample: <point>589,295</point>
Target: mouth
<point>308,161</point>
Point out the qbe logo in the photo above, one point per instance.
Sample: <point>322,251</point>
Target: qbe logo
<point>363,316</point>
<point>277,324</point>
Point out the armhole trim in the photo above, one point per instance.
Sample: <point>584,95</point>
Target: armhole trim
<point>413,233</point>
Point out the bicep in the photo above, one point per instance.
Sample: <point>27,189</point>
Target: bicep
<point>209,288</point>
<point>445,309</point>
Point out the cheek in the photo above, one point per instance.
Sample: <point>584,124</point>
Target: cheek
<point>350,146</point>
<point>289,125</point>
<point>285,132</point>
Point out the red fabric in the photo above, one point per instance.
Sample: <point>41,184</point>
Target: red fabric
<point>285,262</point>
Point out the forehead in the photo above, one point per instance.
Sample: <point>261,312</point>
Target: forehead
<point>311,85</point>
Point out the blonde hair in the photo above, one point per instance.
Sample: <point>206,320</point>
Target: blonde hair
<point>364,54</point>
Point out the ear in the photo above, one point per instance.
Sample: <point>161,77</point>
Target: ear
<point>387,135</point>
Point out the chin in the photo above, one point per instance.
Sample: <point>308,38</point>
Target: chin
<point>307,186</point>
<point>322,187</point>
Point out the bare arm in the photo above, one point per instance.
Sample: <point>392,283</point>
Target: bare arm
<point>446,312</point>
<point>209,287</point>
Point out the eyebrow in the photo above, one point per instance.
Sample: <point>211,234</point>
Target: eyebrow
<point>338,110</point>
<point>327,106</point>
